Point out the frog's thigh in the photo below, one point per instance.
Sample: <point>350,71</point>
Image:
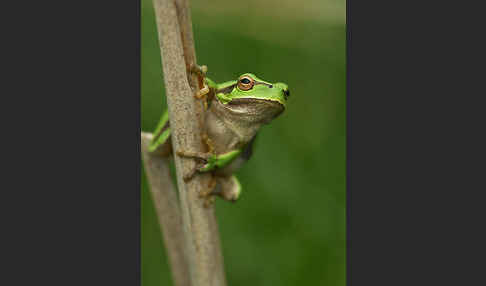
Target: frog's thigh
<point>230,188</point>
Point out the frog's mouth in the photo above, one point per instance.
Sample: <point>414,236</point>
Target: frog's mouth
<point>255,108</point>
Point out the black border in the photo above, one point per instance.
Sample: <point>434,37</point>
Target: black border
<point>74,174</point>
<point>415,150</point>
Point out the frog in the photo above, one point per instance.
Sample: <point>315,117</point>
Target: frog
<point>234,112</point>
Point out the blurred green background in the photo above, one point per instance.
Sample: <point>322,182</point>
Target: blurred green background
<point>288,228</point>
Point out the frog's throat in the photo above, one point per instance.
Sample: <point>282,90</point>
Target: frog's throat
<point>246,116</point>
<point>222,116</point>
<point>251,110</point>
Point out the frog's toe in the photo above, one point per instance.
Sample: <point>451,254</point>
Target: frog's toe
<point>202,92</point>
<point>200,70</point>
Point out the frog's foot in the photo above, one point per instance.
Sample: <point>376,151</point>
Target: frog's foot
<point>202,157</point>
<point>202,92</point>
<point>227,188</point>
<point>201,71</point>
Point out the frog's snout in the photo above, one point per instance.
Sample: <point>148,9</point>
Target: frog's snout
<point>284,89</point>
<point>286,93</point>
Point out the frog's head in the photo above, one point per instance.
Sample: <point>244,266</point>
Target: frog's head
<point>253,96</point>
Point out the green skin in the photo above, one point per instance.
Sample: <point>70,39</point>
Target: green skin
<point>232,120</point>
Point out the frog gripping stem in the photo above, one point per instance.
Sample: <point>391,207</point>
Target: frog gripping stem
<point>203,90</point>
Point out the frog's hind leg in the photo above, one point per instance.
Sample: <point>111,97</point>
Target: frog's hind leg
<point>229,188</point>
<point>161,143</point>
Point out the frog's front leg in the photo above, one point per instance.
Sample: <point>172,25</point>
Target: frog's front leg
<point>200,156</point>
<point>208,162</point>
<point>205,85</point>
<point>201,71</point>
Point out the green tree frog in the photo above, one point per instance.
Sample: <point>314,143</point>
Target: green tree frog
<point>234,112</point>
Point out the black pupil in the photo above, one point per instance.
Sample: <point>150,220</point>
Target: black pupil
<point>245,81</point>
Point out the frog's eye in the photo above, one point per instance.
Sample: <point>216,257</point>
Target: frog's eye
<point>245,83</point>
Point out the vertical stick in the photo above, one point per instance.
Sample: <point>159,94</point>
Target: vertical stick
<point>185,24</point>
<point>167,206</point>
<point>200,226</point>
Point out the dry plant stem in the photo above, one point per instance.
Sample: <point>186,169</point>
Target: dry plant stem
<point>168,212</point>
<point>185,25</point>
<point>200,228</point>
